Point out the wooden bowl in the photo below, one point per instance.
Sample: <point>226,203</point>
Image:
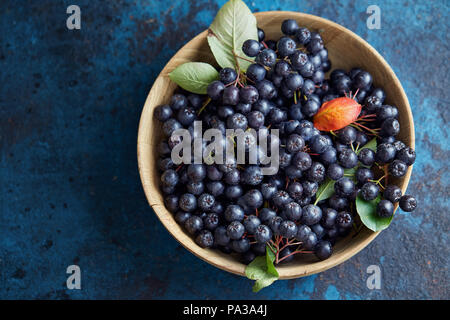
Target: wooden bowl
<point>346,50</point>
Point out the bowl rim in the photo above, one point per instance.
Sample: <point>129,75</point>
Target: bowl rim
<point>211,256</point>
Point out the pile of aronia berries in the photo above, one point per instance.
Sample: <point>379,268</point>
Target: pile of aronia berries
<point>237,209</point>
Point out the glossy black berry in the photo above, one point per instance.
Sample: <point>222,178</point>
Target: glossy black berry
<point>234,213</point>
<point>248,94</point>
<point>237,121</point>
<point>227,75</point>
<point>398,168</point>
<point>178,101</point>
<point>282,68</point>
<point>266,214</point>
<point>319,230</point>
<point>363,175</point>
<point>235,230</point>
<point>274,224</point>
<point>385,209</point>
<point>289,27</point>
<point>298,60</point>
<point>386,153</point>
<point>187,202</point>
<point>220,236</point>
<point>295,190</point>
<point>392,193</point>
<point>319,144</point>
<point>193,224</point>
<point>205,239</point>
<point>309,188</point>
<point>335,171</point>
<point>311,215</point>
<point>196,172</point>
<point>252,175</point>
<point>390,127</point>
<point>344,187</point>
<point>408,203</point>
<point>317,172</point>
<point>171,203</point>
<point>386,111</point>
<point>211,221</point>
<point>251,47</point>
<point>286,46</point>
<point>310,107</point>
<point>294,81</point>
<point>241,245</point>
<point>170,126</point>
<point>288,229</point>
<point>347,158</point>
<point>234,192</point>
<point>251,222</point>
<point>215,90</point>
<point>230,96</point>
<point>329,216</point>
<point>303,36</point>
<point>369,191</point>
<point>315,45</point>
<point>362,80</point>
<point>206,201</point>
<point>366,156</point>
<point>256,72</point>
<point>163,112</point>
<point>293,211</point>
<point>181,217</point>
<point>197,187</point>
<point>407,155</point>
<point>266,57</point>
<point>323,250</point>
<point>261,34</point>
<point>347,135</point>
<point>253,198</point>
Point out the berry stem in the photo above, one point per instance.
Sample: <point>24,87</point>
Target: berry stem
<point>292,253</point>
<point>248,60</point>
<point>204,106</point>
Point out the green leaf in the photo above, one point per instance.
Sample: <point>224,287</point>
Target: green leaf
<point>262,270</point>
<point>194,76</point>
<point>325,191</point>
<point>367,211</point>
<point>372,145</point>
<point>270,258</point>
<point>233,24</point>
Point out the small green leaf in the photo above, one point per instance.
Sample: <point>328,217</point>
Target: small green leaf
<point>233,24</point>
<point>264,282</point>
<point>194,76</point>
<point>372,145</point>
<point>262,270</point>
<point>367,211</point>
<point>270,258</point>
<point>325,191</point>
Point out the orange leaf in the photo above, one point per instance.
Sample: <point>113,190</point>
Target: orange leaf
<point>336,114</point>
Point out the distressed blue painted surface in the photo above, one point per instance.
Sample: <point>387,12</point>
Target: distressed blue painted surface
<point>69,188</point>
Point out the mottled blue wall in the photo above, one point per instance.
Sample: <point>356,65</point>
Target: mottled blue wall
<point>69,188</point>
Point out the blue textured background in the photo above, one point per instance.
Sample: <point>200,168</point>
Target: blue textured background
<point>69,188</point>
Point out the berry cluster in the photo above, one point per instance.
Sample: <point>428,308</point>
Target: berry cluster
<point>237,209</point>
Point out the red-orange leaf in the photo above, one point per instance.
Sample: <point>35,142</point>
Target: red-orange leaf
<point>336,114</point>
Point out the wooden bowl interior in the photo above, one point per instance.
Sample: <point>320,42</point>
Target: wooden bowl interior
<point>346,50</point>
